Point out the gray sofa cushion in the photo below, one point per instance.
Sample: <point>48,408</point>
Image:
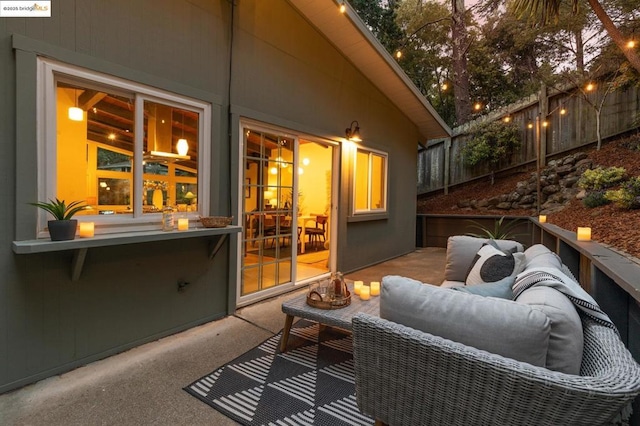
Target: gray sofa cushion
<point>492,264</point>
<point>495,325</point>
<point>462,249</point>
<point>501,288</point>
<point>539,255</point>
<point>566,339</point>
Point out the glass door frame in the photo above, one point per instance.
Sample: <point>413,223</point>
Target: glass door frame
<point>245,123</point>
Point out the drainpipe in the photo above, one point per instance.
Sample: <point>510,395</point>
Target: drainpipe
<point>229,117</point>
<point>232,266</point>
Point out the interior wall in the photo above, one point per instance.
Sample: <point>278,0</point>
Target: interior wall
<point>72,153</point>
<point>313,182</point>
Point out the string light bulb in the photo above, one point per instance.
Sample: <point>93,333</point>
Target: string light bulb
<point>631,44</point>
<point>398,54</point>
<point>343,8</point>
<point>590,87</point>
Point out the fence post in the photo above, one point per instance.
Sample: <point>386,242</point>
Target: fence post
<point>447,163</point>
<point>543,99</point>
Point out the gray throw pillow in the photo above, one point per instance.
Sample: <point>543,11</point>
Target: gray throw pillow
<point>501,288</point>
<point>495,325</point>
<point>492,264</point>
<point>461,250</point>
<point>566,340</point>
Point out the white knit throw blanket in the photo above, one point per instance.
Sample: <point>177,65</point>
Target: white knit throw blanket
<point>554,278</point>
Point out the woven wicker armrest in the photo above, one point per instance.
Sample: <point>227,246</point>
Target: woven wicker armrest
<point>408,377</point>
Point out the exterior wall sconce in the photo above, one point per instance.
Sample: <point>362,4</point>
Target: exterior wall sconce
<point>353,133</point>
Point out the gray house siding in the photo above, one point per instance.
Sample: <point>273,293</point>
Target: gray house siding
<point>305,84</point>
<point>284,72</point>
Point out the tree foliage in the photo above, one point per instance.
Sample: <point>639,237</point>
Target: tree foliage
<point>507,57</point>
<point>543,12</point>
<point>381,19</point>
<point>491,143</point>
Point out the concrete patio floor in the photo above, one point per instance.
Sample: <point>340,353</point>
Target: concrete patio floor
<point>143,386</point>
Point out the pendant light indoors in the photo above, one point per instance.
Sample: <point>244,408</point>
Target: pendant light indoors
<point>75,113</point>
<point>182,146</point>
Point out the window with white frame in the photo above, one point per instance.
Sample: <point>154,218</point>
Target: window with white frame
<point>125,149</point>
<point>370,181</point>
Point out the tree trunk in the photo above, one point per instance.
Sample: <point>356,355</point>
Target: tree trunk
<point>460,74</point>
<point>579,51</point>
<point>615,34</point>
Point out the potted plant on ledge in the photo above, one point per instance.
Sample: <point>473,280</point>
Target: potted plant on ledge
<point>62,228</point>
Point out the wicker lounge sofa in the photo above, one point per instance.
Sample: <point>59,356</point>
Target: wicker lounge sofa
<point>407,376</point>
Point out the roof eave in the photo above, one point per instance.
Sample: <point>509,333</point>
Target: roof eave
<point>349,34</point>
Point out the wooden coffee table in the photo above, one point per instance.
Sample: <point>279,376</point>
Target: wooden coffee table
<point>341,318</point>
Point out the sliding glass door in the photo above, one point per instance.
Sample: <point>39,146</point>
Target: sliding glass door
<point>286,203</point>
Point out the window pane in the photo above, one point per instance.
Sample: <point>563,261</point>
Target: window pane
<point>94,144</point>
<point>170,157</point>
<point>187,196</point>
<point>114,192</point>
<point>362,181</point>
<point>377,181</point>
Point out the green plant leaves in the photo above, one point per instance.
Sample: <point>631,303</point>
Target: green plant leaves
<point>502,230</point>
<point>59,209</point>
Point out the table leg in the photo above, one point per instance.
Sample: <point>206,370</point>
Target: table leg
<point>288,322</point>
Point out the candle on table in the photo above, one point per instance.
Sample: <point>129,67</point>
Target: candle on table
<point>375,288</point>
<point>584,234</point>
<point>365,292</point>
<point>183,224</point>
<point>87,229</point>
<point>357,285</point>
<point>542,218</point>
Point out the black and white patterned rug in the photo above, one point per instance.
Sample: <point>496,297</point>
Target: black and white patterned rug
<point>312,383</point>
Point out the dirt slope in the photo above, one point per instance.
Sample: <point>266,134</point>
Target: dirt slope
<point>612,226</point>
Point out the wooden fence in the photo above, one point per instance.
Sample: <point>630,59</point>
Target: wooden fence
<point>571,124</point>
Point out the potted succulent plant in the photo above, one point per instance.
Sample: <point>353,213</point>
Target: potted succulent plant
<point>63,227</point>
